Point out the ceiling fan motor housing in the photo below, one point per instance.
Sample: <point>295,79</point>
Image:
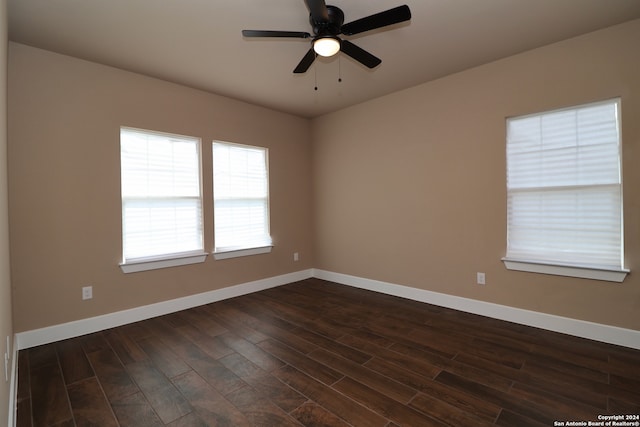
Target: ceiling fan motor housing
<point>332,26</point>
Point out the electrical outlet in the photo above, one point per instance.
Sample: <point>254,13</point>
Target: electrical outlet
<point>296,256</point>
<point>87,292</point>
<point>480,278</point>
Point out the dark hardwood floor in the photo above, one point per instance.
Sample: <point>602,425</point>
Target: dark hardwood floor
<point>316,353</point>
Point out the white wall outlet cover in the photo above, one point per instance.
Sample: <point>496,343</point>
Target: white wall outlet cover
<point>480,278</point>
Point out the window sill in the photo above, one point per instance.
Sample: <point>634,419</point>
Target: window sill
<point>157,263</point>
<point>609,275</point>
<point>226,254</point>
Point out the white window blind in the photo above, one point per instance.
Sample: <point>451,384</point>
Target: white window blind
<point>241,197</point>
<point>161,195</point>
<point>564,192</point>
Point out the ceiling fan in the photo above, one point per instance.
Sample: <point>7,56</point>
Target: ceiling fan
<point>327,23</point>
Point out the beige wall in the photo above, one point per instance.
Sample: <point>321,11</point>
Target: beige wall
<point>410,188</point>
<point>64,182</point>
<point>6,329</point>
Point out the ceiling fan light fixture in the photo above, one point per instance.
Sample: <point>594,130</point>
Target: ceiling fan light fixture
<point>326,46</point>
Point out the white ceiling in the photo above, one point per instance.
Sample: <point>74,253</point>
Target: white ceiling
<point>198,43</point>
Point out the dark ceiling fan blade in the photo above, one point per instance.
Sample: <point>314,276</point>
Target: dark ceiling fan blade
<point>266,33</point>
<point>359,54</point>
<point>378,20</point>
<point>306,62</point>
<point>318,10</point>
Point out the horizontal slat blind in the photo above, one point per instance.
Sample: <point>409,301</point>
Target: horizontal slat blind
<point>241,197</point>
<point>161,194</point>
<point>564,203</point>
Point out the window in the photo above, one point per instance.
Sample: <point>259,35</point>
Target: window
<point>564,192</point>
<point>161,200</point>
<point>241,200</point>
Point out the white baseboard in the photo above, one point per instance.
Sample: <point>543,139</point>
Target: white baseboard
<point>580,328</point>
<point>13,386</point>
<point>99,323</point>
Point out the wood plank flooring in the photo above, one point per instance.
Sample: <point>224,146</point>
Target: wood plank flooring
<point>316,353</point>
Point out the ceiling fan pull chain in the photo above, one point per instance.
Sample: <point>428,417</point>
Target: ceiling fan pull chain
<point>315,75</point>
<point>339,69</point>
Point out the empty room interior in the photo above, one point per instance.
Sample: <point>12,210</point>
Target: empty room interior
<point>438,224</point>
